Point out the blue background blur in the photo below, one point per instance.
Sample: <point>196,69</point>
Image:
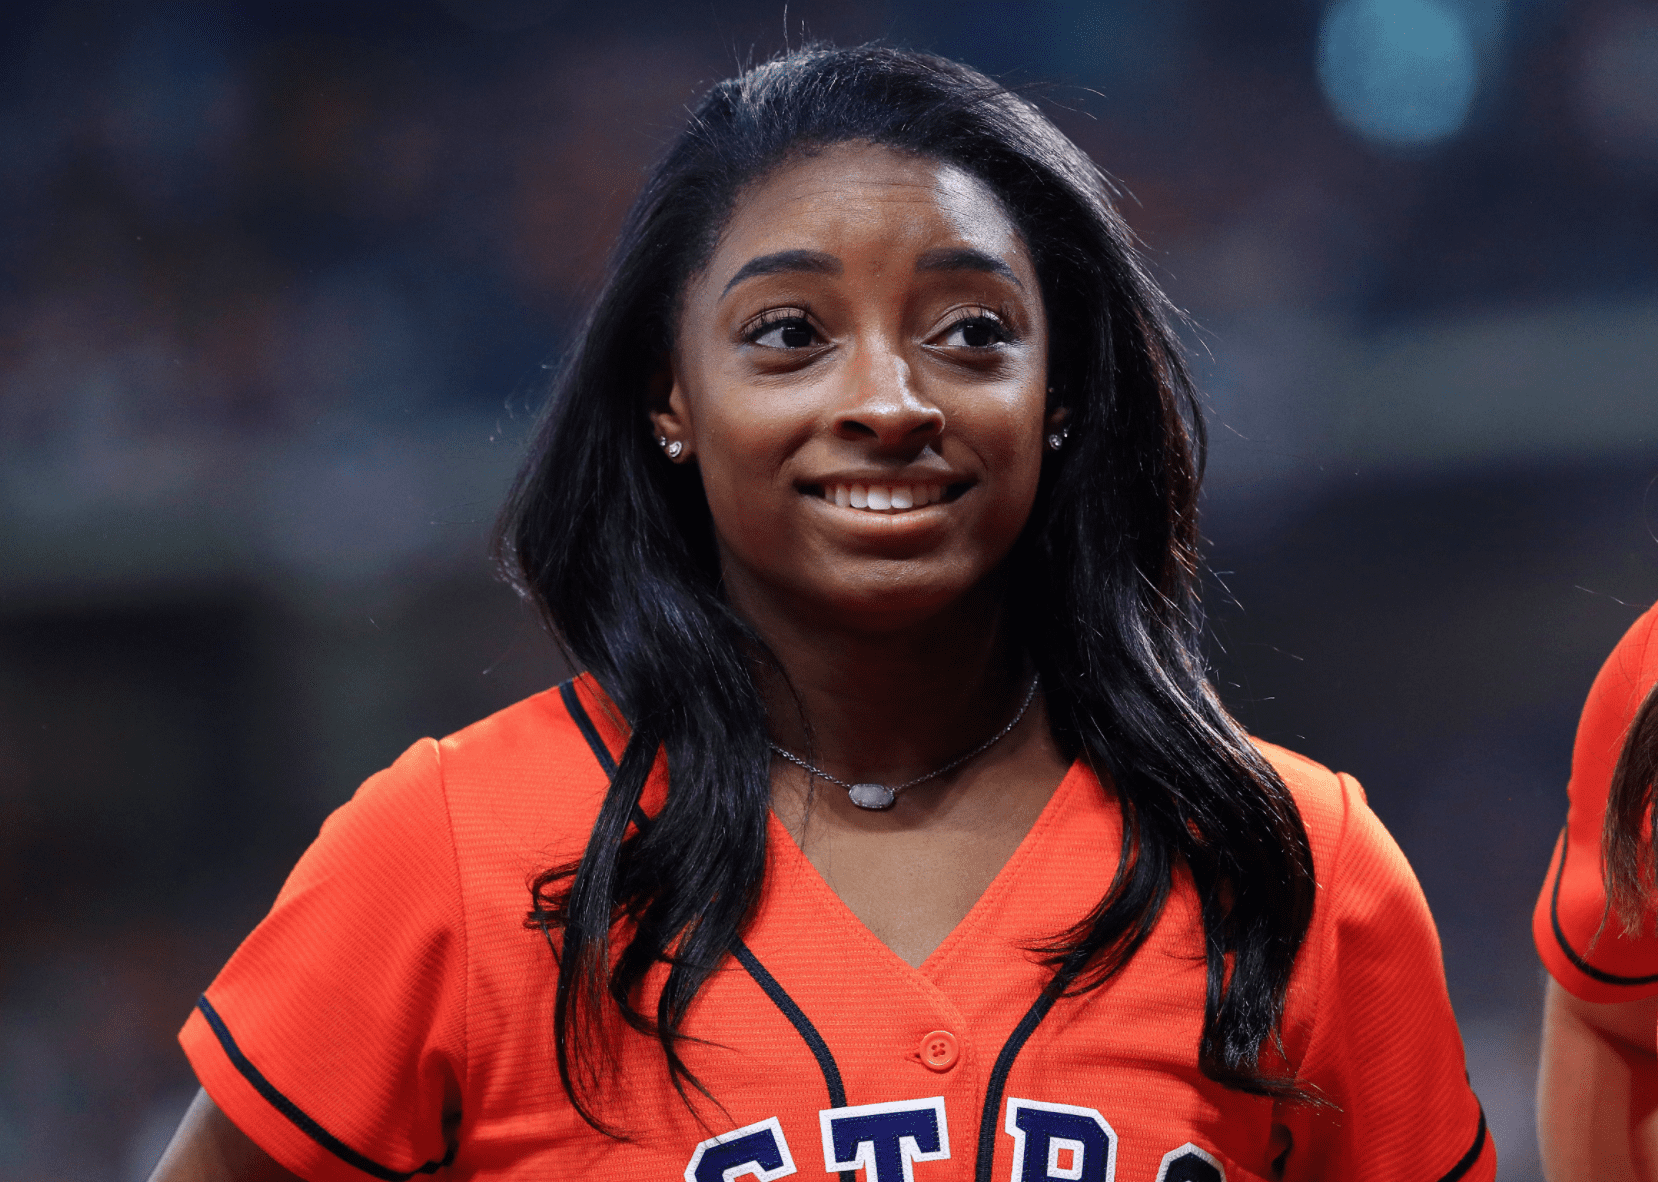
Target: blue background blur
<point>279,284</point>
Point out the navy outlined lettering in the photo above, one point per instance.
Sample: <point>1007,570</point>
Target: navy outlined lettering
<point>885,1140</point>
<point>758,1149</point>
<point>1060,1141</point>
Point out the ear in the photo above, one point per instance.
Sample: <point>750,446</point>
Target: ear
<point>1054,430</point>
<point>668,411</point>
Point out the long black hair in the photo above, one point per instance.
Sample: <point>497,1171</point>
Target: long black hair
<point>1629,856</point>
<point>616,549</point>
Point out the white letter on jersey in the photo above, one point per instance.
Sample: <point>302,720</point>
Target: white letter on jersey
<point>885,1140</point>
<point>1190,1164</point>
<point>1055,1141</point>
<point>758,1149</point>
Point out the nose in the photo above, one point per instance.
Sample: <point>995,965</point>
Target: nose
<point>883,406</point>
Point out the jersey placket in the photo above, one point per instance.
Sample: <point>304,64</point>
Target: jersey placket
<point>876,1065</point>
<point>878,1018</point>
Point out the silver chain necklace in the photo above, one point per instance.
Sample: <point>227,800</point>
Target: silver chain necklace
<point>879,796</point>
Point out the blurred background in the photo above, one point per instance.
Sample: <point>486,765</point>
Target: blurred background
<point>279,285</point>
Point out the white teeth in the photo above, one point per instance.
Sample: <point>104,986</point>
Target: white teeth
<point>884,498</point>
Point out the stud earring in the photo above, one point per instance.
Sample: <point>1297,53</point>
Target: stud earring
<point>1056,441</point>
<point>672,448</point>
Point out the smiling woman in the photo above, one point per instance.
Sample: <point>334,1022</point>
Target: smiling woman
<point>868,387</point>
<point>893,815</point>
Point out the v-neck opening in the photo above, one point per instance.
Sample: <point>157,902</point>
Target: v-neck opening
<point>1000,883</point>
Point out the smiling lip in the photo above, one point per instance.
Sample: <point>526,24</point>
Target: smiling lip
<point>887,497</point>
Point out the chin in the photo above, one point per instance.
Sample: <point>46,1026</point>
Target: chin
<point>890,602</point>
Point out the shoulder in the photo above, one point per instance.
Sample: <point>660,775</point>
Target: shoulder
<point>1616,696</point>
<point>1591,958</point>
<point>1370,975</point>
<point>552,744</point>
<point>1635,658</point>
<point>534,775</point>
<point>556,739</point>
<point>523,784</point>
<point>1327,800</point>
<point>1366,887</point>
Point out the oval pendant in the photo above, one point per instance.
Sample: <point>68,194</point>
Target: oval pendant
<point>872,796</point>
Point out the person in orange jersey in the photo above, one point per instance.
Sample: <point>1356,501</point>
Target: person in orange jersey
<point>1594,927</point>
<point>893,830</point>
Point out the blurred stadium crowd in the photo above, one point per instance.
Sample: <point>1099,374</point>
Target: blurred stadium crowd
<point>279,282</point>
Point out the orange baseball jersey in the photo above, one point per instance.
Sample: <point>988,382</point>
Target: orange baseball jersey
<point>393,1017</point>
<point>1583,947</point>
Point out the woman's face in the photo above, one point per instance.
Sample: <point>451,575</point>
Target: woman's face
<point>860,375</point>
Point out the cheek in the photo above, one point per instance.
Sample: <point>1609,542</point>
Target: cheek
<point>1013,506</point>
<point>1015,456</point>
<point>741,455</point>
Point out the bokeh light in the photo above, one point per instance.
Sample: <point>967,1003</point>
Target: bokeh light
<point>1401,73</point>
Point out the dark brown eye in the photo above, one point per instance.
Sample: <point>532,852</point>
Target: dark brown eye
<point>793,332</point>
<point>976,332</point>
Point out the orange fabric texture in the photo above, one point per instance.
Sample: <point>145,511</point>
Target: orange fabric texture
<point>392,1014</point>
<point>1591,959</point>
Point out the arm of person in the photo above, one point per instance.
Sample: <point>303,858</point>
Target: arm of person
<point>208,1148</point>
<point>1381,1043</point>
<point>334,1038</point>
<point>1597,1089</point>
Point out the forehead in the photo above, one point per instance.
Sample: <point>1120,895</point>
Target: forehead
<point>864,194</point>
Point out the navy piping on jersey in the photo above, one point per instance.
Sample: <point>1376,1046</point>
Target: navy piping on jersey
<point>798,1019</point>
<point>298,1116</point>
<point>986,1158</point>
<point>803,1025</point>
<point>1583,966</point>
<point>762,976</point>
<point>999,1073</point>
<point>1473,1154</point>
<point>578,712</point>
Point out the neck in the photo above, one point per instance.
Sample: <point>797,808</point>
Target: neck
<point>888,706</point>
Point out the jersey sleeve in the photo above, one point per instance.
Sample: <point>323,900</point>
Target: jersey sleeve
<point>1582,945</point>
<point>335,1036</point>
<point>1383,1050</point>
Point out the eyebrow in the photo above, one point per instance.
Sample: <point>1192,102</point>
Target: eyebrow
<point>965,259</point>
<point>813,262</point>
